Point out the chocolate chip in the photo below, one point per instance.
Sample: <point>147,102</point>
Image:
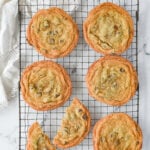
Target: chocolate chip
<point>52,41</point>
<point>61,41</point>
<point>66,130</point>
<point>122,70</point>
<point>115,27</point>
<point>39,94</point>
<point>57,95</point>
<point>50,32</point>
<point>102,139</point>
<point>65,142</point>
<point>109,76</point>
<point>46,51</point>
<point>55,32</point>
<point>31,87</point>
<point>38,30</point>
<point>65,18</point>
<point>41,75</point>
<point>96,88</point>
<point>46,23</point>
<point>80,110</point>
<point>137,143</point>
<point>114,134</point>
<point>117,142</point>
<point>85,117</point>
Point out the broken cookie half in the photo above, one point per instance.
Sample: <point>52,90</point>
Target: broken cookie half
<point>37,139</point>
<point>75,125</point>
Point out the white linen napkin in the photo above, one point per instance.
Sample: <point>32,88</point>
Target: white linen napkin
<point>9,52</point>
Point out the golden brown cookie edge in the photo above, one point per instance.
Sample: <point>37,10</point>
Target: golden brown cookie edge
<point>110,57</point>
<point>122,11</point>
<point>100,122</point>
<point>77,141</point>
<point>23,90</point>
<point>62,12</point>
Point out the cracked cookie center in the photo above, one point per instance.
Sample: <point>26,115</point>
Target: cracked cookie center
<point>117,136</point>
<point>111,82</point>
<point>109,31</point>
<point>54,30</point>
<point>45,86</point>
<point>74,125</point>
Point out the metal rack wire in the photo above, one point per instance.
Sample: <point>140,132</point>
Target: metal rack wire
<point>76,64</point>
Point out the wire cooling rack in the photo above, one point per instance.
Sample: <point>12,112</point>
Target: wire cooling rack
<point>76,64</point>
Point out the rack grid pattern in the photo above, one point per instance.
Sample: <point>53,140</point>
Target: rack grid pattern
<point>76,64</point>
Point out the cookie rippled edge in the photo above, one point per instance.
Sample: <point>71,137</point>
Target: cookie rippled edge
<point>112,80</point>
<point>75,125</point>
<point>52,32</point>
<point>45,85</point>
<point>108,29</point>
<point>117,131</point>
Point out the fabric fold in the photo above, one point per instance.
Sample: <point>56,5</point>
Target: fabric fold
<point>9,51</point>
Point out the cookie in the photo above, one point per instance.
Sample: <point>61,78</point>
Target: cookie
<point>45,85</point>
<point>117,131</point>
<point>75,125</point>
<point>37,140</point>
<point>108,29</point>
<point>112,80</point>
<point>52,32</point>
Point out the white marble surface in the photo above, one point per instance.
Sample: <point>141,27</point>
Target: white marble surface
<point>9,126</point>
<point>144,70</point>
<point>9,121</point>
